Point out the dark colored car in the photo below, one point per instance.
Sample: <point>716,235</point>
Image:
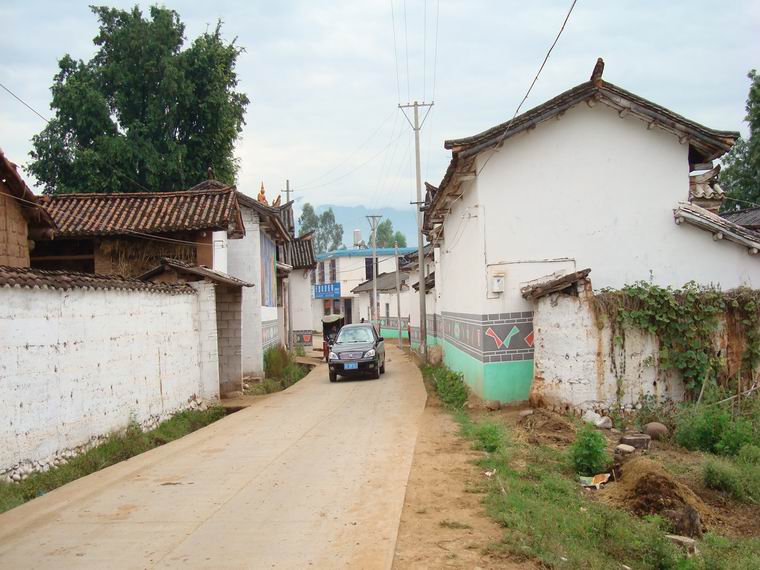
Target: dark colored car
<point>358,351</point>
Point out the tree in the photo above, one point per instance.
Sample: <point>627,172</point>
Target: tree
<point>328,234</point>
<point>386,237</point>
<point>740,176</point>
<point>142,113</point>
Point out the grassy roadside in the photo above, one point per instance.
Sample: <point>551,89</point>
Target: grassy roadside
<point>532,491</point>
<point>118,447</point>
<point>280,371</point>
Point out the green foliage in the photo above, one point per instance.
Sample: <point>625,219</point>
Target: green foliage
<point>328,234</point>
<point>449,385</point>
<point>651,409</point>
<point>118,447</point>
<point>488,436</point>
<point>738,478</point>
<point>684,321</point>
<point>588,453</point>
<point>740,175</point>
<point>280,371</point>
<point>143,112</point>
<point>386,237</point>
<point>749,454</point>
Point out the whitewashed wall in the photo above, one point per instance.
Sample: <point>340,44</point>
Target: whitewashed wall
<point>577,365</point>
<point>244,262</point>
<point>79,364</point>
<point>300,299</point>
<point>587,190</point>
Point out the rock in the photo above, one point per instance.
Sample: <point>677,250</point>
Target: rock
<point>637,440</point>
<point>656,430</point>
<point>526,413</point>
<point>16,476</point>
<point>688,544</point>
<point>492,405</point>
<point>591,417</point>
<point>604,423</point>
<point>624,449</point>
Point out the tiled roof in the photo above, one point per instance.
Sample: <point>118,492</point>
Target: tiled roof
<point>35,215</point>
<point>78,215</point>
<point>429,283</point>
<point>38,278</point>
<point>704,185</point>
<point>385,282</point>
<point>749,217</point>
<point>721,228</point>
<point>182,267</point>
<point>299,253</point>
<point>553,283</point>
<point>272,217</point>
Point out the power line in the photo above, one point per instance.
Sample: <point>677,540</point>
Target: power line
<point>24,103</point>
<point>435,56</point>
<point>406,50</point>
<point>395,54</point>
<point>540,69</point>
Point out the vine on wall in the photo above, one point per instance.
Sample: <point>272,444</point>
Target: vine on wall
<point>685,322</point>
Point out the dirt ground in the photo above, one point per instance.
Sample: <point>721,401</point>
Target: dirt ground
<point>444,524</point>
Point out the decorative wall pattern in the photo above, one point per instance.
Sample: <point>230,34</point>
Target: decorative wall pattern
<point>270,334</point>
<point>302,338</point>
<point>268,272</point>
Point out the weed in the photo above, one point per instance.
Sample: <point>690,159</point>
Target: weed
<point>739,479</point>
<point>117,447</point>
<point>449,385</point>
<point>276,358</point>
<point>588,452</point>
<point>749,454</point>
<point>280,371</point>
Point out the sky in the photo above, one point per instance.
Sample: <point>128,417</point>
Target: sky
<point>325,78</point>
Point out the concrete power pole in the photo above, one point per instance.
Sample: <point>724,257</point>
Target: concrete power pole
<point>416,126</point>
<point>398,298</point>
<point>287,191</point>
<point>373,221</point>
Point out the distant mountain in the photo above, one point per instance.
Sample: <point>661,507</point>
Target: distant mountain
<point>353,217</point>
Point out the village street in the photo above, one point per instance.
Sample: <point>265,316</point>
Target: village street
<point>312,476</point>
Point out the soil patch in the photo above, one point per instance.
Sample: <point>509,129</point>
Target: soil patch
<point>444,524</point>
<point>546,428</point>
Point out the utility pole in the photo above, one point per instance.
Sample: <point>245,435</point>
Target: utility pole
<point>398,298</point>
<point>416,126</point>
<point>287,191</point>
<point>373,221</point>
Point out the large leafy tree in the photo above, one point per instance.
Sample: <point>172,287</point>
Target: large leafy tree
<point>386,237</point>
<point>328,234</point>
<point>740,175</point>
<point>143,113</point>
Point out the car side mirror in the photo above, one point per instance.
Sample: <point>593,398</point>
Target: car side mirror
<point>380,339</point>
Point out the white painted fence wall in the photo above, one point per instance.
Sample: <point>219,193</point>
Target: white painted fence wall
<point>79,364</point>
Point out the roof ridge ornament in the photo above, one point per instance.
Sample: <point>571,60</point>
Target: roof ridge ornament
<point>596,75</point>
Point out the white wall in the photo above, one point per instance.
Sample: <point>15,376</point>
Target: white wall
<point>578,366</point>
<point>244,262</point>
<point>79,364</point>
<point>600,191</point>
<point>300,299</point>
<point>220,251</point>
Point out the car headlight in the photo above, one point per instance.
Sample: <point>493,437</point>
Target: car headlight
<point>332,356</point>
<point>370,353</point>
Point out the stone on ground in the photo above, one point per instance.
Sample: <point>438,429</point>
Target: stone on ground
<point>656,430</point>
<point>604,422</point>
<point>637,440</point>
<point>624,449</point>
<point>591,417</point>
<point>493,405</point>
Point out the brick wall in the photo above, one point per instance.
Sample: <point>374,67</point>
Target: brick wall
<point>228,323</point>
<point>14,245</point>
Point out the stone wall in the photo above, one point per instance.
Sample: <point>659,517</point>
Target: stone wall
<point>228,322</point>
<point>78,364</point>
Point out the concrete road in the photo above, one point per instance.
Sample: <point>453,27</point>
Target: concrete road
<point>314,476</point>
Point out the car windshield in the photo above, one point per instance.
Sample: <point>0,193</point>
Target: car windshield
<point>358,334</point>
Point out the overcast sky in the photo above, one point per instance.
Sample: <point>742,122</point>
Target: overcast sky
<point>322,78</point>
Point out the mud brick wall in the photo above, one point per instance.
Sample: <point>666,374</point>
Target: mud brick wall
<point>14,245</point>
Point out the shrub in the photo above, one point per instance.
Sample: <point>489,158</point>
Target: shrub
<point>749,455</point>
<point>276,358</point>
<point>723,476</point>
<point>450,387</point>
<point>588,452</point>
<point>488,436</point>
<point>701,428</point>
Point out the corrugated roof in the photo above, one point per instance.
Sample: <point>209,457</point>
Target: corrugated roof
<point>39,278</point>
<point>79,215</point>
<point>385,282</point>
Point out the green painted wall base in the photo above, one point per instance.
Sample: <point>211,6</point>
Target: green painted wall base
<point>503,381</point>
<point>393,333</point>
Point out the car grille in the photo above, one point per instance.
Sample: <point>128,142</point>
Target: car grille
<point>351,355</point>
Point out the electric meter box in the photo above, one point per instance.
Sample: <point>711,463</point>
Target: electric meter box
<point>497,283</point>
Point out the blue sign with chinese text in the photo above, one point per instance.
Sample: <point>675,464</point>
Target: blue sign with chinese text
<point>327,290</point>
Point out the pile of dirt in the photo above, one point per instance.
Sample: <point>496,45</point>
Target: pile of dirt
<point>546,427</point>
<point>645,488</point>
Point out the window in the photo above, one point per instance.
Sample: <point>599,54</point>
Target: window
<point>357,334</point>
<point>387,310</point>
<point>321,271</point>
<point>333,271</point>
<point>368,268</point>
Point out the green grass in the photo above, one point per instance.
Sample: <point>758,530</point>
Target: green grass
<point>116,448</point>
<point>280,371</point>
<point>534,494</point>
<point>739,478</point>
<point>449,385</point>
